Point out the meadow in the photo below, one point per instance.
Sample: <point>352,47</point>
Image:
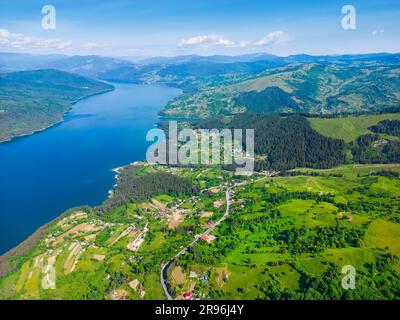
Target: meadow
<point>349,128</point>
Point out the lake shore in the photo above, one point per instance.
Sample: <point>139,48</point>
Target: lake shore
<point>14,138</point>
<point>30,241</point>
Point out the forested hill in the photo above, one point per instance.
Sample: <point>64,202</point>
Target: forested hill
<point>270,100</point>
<point>34,100</point>
<point>290,141</point>
<point>311,88</point>
<point>286,142</point>
<point>135,186</point>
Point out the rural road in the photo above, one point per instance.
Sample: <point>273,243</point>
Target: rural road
<point>164,267</point>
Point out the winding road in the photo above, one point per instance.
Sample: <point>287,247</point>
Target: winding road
<point>164,267</point>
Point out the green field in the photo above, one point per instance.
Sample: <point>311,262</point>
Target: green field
<point>349,128</point>
<point>259,265</point>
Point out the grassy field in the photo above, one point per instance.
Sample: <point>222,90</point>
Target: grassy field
<point>260,266</point>
<point>349,128</point>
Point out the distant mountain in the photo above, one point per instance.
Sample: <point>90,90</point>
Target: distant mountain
<point>347,58</point>
<point>205,69</point>
<point>190,73</point>
<point>23,61</point>
<point>89,66</point>
<point>214,59</point>
<point>34,100</point>
<point>255,57</point>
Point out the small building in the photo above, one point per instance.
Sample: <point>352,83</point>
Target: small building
<point>188,296</point>
<point>208,239</point>
<point>134,284</point>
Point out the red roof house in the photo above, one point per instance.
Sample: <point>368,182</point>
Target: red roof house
<point>188,296</point>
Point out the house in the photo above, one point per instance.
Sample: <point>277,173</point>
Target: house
<point>209,239</point>
<point>188,296</point>
<point>134,284</point>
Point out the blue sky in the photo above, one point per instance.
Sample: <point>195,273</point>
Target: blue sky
<point>174,27</point>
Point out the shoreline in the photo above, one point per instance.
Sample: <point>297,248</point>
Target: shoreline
<point>29,243</point>
<point>14,138</point>
<point>26,245</point>
<point>34,238</point>
<point>117,171</point>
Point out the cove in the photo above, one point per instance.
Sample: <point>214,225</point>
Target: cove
<point>71,164</point>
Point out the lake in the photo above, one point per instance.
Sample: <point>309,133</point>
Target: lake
<point>71,164</point>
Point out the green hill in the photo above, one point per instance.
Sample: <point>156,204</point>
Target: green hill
<point>34,100</point>
<point>314,88</point>
<point>270,100</point>
<point>349,128</point>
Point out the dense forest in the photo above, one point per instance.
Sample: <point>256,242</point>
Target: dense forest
<point>390,127</point>
<point>134,187</point>
<point>270,100</point>
<point>371,148</point>
<point>286,142</point>
<point>371,283</point>
<point>301,240</point>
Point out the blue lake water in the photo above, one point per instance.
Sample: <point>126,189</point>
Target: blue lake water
<point>71,163</point>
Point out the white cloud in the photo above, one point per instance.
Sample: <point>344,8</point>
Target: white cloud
<point>18,41</point>
<point>378,32</point>
<point>272,38</point>
<point>207,40</point>
<point>95,45</point>
<point>243,44</point>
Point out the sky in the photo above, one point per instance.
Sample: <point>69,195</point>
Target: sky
<point>145,28</point>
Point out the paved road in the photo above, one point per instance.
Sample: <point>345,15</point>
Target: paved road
<point>165,266</point>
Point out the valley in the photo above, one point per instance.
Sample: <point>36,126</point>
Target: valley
<point>283,235</point>
<point>324,195</point>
